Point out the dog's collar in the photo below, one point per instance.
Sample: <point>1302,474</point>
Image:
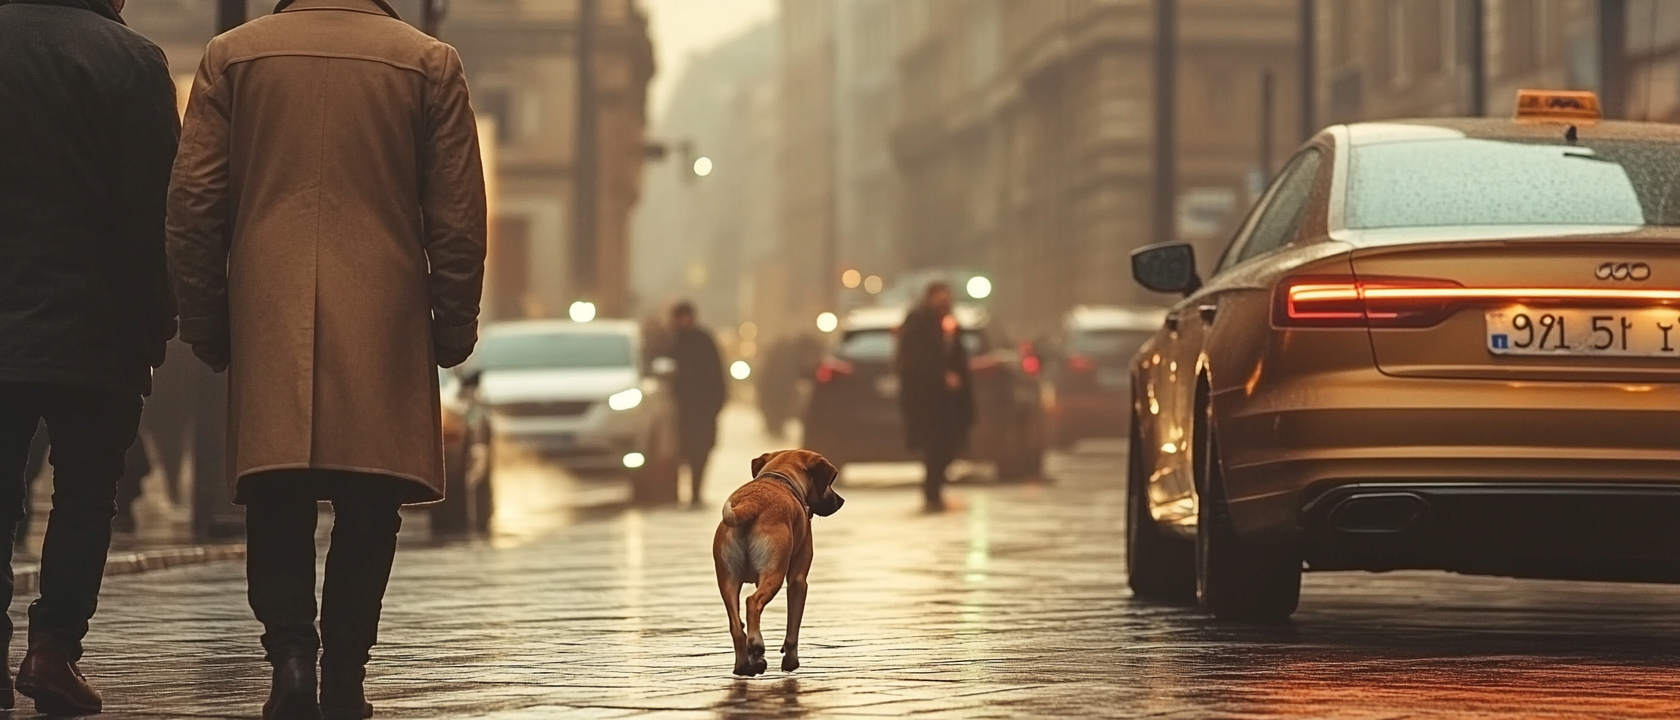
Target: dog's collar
<point>791,486</point>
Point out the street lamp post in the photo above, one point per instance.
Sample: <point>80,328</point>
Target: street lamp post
<point>229,14</point>
<point>1166,97</point>
<point>585,203</point>
<point>431,15</point>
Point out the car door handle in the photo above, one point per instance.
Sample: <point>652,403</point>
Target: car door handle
<point>1207,312</point>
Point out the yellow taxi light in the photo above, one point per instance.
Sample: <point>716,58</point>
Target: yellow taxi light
<point>1541,105</point>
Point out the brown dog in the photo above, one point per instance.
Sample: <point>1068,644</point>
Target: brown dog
<point>765,538</point>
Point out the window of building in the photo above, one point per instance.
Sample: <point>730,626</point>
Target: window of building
<point>498,103</point>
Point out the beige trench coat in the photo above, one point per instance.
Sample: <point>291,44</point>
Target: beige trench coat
<point>327,236</point>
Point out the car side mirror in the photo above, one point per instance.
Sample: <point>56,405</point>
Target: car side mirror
<point>1166,268</point>
<point>663,367</point>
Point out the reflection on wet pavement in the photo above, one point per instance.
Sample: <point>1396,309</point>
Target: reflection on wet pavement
<point>1013,606</point>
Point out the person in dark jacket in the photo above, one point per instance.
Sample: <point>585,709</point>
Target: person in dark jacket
<point>700,393</point>
<point>88,130</point>
<point>936,396</point>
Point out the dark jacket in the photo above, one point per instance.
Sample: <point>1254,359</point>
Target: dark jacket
<point>88,130</point>
<point>699,388</point>
<point>935,416</point>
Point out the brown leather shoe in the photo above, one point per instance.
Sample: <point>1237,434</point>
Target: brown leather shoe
<point>292,696</point>
<point>50,678</point>
<point>342,697</point>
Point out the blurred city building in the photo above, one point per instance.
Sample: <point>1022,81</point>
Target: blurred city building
<point>522,62</point>
<point>712,239</point>
<point>1419,58</point>
<point>1405,58</point>
<point>1025,137</point>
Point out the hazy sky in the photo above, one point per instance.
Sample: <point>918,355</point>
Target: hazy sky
<point>684,27</point>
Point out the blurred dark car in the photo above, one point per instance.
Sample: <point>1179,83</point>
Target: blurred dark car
<point>853,413</point>
<point>469,496</point>
<point>1089,371</point>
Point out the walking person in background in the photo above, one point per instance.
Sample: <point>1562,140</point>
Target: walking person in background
<point>936,397</point>
<point>700,393</point>
<point>87,132</point>
<point>327,237</point>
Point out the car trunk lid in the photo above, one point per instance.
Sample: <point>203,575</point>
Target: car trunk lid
<point>1585,308</point>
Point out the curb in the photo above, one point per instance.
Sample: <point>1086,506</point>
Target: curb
<point>28,578</point>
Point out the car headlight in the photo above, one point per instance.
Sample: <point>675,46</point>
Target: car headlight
<point>625,400</point>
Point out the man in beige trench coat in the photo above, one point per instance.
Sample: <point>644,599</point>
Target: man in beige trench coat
<point>326,240</point>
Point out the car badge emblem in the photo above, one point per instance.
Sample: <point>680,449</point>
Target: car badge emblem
<point>1636,272</point>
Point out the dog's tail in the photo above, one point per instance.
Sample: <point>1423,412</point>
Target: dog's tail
<point>738,514</point>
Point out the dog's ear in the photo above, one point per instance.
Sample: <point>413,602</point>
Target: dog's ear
<point>759,462</point>
<point>821,472</point>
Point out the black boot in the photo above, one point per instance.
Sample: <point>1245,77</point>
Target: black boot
<point>342,697</point>
<point>293,695</point>
<point>8,697</point>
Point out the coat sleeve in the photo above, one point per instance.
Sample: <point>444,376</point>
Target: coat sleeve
<point>149,131</point>
<point>454,206</point>
<point>200,211</point>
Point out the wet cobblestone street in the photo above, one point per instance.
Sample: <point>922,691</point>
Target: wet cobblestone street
<point>1011,605</point>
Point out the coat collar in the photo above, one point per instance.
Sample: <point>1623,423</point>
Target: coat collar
<point>101,7</point>
<point>371,7</point>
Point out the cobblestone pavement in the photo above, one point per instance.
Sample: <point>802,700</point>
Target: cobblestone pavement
<point>1012,605</point>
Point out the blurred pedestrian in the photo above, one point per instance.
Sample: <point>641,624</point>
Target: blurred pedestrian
<point>936,397</point>
<point>87,132</point>
<point>700,392</point>
<point>343,142</point>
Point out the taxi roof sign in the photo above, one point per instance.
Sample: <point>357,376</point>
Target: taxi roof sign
<point>1558,105</point>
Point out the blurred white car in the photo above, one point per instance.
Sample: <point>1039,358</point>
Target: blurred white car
<point>575,393</point>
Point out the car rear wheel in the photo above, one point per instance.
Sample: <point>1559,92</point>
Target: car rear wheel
<point>1237,579</point>
<point>1158,566</point>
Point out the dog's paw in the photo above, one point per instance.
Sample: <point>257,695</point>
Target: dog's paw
<point>758,665</point>
<point>744,670</point>
<point>755,648</point>
<point>790,663</point>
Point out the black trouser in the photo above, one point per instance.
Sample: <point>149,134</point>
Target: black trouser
<point>31,471</point>
<point>936,463</point>
<point>91,432</point>
<point>280,515</point>
<point>697,459</point>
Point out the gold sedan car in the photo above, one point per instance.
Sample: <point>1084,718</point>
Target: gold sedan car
<point>1434,344</point>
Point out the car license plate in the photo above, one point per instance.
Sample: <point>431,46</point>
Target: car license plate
<point>887,386</point>
<point>1633,333</point>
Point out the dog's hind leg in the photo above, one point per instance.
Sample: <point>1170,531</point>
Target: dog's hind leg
<point>769,582</point>
<point>731,591</point>
<point>797,586</point>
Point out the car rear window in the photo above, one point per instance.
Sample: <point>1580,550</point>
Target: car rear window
<point>1476,182</point>
<point>1107,343</point>
<point>877,345</point>
<point>556,351</point>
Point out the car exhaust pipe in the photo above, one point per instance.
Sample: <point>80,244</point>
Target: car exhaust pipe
<point>1373,513</point>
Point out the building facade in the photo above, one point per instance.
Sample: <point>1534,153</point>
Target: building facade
<point>521,60</point>
<point>1025,137</point>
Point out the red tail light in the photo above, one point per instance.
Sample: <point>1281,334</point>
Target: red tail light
<point>1346,302</point>
<point>831,369</point>
<point>1081,363</point>
<point>1389,302</point>
<point>1030,365</point>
